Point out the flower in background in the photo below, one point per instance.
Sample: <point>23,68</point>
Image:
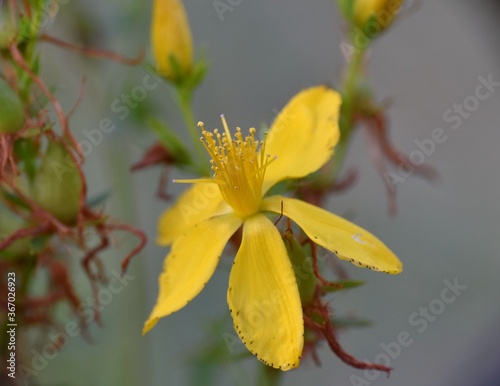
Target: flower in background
<point>370,16</point>
<point>171,39</point>
<point>383,11</point>
<point>263,293</point>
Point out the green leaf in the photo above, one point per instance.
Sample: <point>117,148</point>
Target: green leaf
<point>198,73</point>
<point>27,151</point>
<point>14,199</point>
<point>302,266</point>
<point>171,141</point>
<point>347,8</point>
<point>98,199</point>
<point>346,284</point>
<point>37,244</point>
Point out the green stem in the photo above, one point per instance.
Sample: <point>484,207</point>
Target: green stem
<point>348,110</point>
<point>269,376</point>
<point>184,100</point>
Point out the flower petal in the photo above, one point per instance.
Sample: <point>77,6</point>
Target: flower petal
<point>190,264</point>
<point>303,135</point>
<point>348,241</point>
<point>263,296</point>
<point>201,201</point>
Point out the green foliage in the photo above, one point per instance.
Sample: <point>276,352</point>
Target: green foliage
<point>26,151</point>
<point>347,8</point>
<point>302,265</point>
<point>11,109</point>
<point>346,284</point>
<point>171,141</point>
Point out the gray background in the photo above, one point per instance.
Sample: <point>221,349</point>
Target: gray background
<point>261,54</point>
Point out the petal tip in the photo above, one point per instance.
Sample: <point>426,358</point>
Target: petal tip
<point>150,323</point>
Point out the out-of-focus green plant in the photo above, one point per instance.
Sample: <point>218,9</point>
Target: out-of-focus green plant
<point>44,208</point>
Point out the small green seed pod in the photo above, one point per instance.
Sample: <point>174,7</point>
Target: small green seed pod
<point>11,109</point>
<point>57,185</point>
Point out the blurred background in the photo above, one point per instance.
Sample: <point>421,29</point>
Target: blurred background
<point>261,53</point>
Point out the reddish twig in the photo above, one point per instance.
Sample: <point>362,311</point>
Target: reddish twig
<point>63,120</point>
<point>95,52</point>
<point>377,123</point>
<point>314,253</point>
<point>376,156</point>
<point>138,233</point>
<point>23,233</point>
<point>327,330</point>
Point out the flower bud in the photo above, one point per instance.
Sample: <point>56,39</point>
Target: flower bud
<point>383,11</point>
<point>371,17</point>
<point>11,109</point>
<point>57,186</point>
<point>171,39</point>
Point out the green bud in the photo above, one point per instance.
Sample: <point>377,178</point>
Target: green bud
<point>11,109</point>
<point>57,185</point>
<point>369,18</point>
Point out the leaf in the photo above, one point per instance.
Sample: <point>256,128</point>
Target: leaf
<point>98,199</point>
<point>27,151</point>
<point>38,243</point>
<point>14,199</point>
<point>171,141</point>
<point>346,284</point>
<point>302,266</point>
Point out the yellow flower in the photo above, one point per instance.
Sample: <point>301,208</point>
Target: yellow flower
<point>263,295</point>
<point>383,12</point>
<point>171,37</point>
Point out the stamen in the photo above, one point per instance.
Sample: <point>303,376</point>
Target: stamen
<point>194,181</point>
<point>238,165</point>
<point>226,128</point>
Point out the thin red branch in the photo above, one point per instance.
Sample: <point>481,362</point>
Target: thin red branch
<point>327,330</point>
<point>314,253</point>
<point>95,52</point>
<point>79,99</point>
<point>142,242</point>
<point>376,156</point>
<point>63,120</point>
<point>27,7</point>
<point>23,233</point>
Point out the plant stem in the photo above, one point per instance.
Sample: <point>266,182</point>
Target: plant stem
<point>269,376</point>
<point>184,99</point>
<point>348,110</point>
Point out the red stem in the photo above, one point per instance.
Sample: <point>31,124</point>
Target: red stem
<point>95,52</point>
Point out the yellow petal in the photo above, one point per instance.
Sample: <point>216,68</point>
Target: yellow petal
<point>303,135</point>
<point>201,201</point>
<point>264,298</point>
<point>348,241</point>
<point>190,264</point>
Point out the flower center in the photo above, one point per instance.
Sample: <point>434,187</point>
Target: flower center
<point>239,165</point>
